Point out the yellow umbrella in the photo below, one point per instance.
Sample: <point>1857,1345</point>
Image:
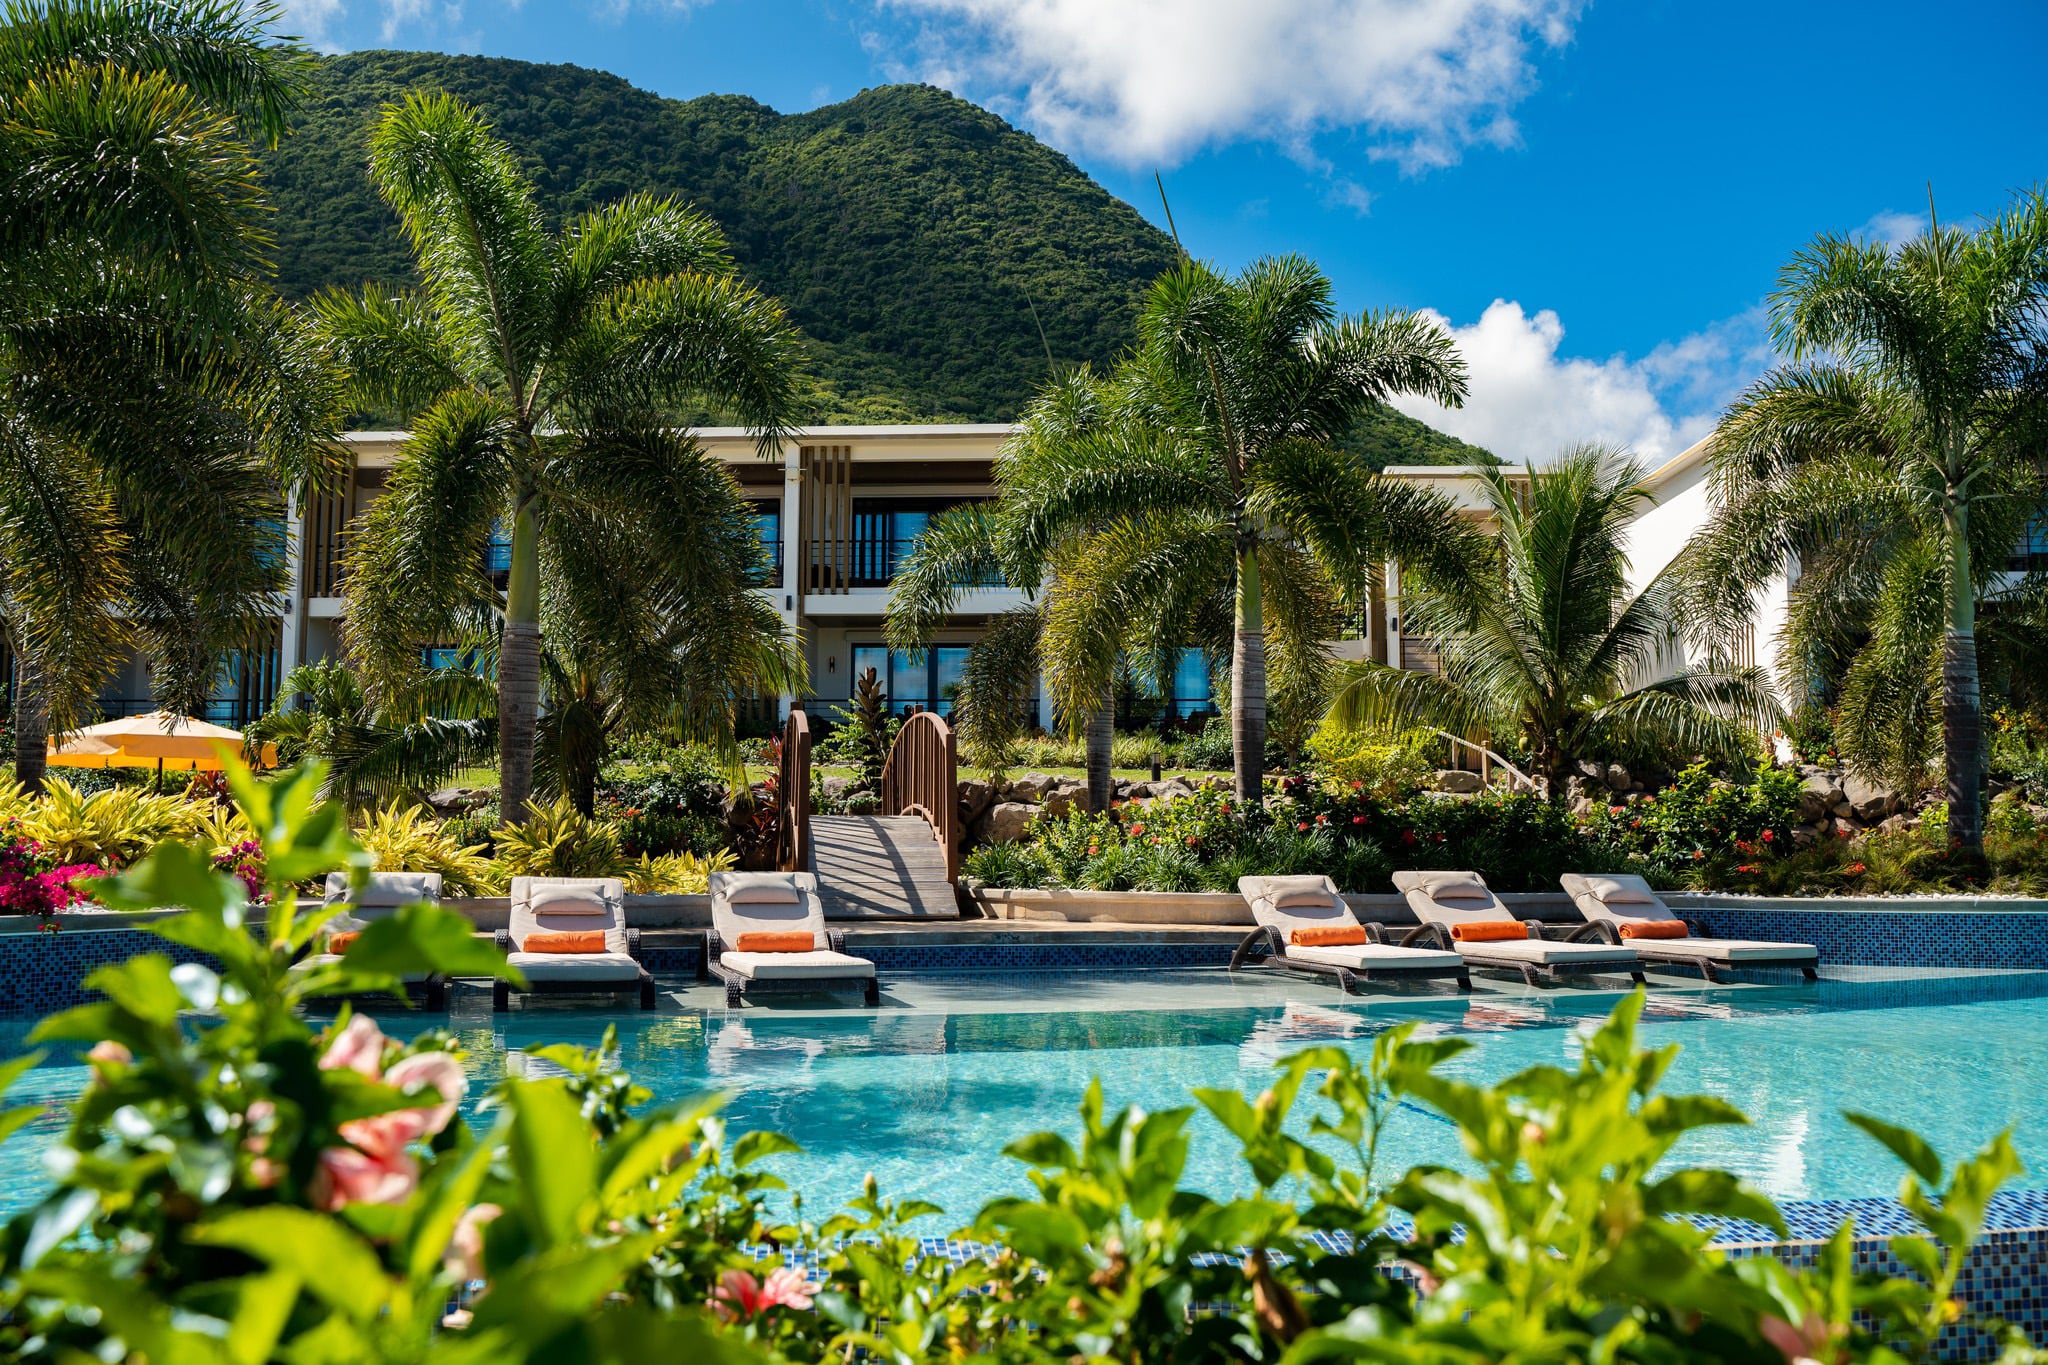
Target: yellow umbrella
<point>157,739</point>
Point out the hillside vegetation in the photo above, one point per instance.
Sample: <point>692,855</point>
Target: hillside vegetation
<point>910,234</point>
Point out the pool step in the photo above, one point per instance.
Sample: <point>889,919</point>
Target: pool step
<point>880,867</point>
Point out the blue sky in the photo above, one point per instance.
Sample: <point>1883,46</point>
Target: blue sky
<point>1595,196</point>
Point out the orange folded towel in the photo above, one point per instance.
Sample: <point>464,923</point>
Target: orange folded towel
<point>776,943</point>
<point>338,943</point>
<point>1336,936</point>
<point>1655,928</point>
<point>1487,930</point>
<point>582,941</point>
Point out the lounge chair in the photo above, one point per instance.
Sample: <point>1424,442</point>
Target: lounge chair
<point>768,935</point>
<point>385,893</point>
<point>1621,909</point>
<point>1484,933</point>
<point>1305,927</point>
<point>593,907</point>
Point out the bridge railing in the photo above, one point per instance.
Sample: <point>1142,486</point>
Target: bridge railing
<point>793,795</point>
<point>922,777</point>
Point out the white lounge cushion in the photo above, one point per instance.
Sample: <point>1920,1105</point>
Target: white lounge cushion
<point>1545,952</point>
<point>574,898</point>
<point>385,890</point>
<point>818,964</point>
<point>1728,949</point>
<point>1288,892</point>
<point>1456,886</point>
<point>598,967</point>
<point>766,888</point>
<point>1619,890</point>
<point>1366,956</point>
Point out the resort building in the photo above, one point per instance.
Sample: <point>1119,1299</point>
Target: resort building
<point>837,512</point>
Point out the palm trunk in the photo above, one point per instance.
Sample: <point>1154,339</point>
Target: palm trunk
<point>1248,682</point>
<point>519,670</point>
<point>1961,708</point>
<point>1101,733</point>
<point>31,722</point>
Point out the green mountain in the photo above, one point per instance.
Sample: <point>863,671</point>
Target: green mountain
<point>931,253</point>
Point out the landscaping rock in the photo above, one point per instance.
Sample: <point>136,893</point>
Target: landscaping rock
<point>1007,821</point>
<point>1844,811</point>
<point>1456,781</point>
<point>1804,838</point>
<point>836,788</point>
<point>1618,779</point>
<point>1031,786</point>
<point>458,800</point>
<point>1814,800</point>
<point>1172,789</point>
<point>1132,790</point>
<point>975,797</point>
<point>1871,801</point>
<point>1056,805</point>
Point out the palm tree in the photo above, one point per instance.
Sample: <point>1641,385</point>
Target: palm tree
<point>537,372</point>
<point>373,752</point>
<point>1196,501</point>
<point>1895,460</point>
<point>154,403</point>
<point>1550,646</point>
<point>984,543</point>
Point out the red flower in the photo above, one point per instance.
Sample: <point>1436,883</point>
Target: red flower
<point>1768,836</point>
<point>1322,819</point>
<point>1408,837</point>
<point>1194,840</point>
<point>1855,870</point>
<point>1138,827</point>
<point>1358,819</point>
<point>1698,854</point>
<point>740,1296</point>
<point>1614,810</point>
<point>1301,825</point>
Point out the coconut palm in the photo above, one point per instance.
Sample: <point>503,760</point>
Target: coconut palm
<point>983,543</point>
<point>1195,500</point>
<point>154,403</point>
<point>1895,460</point>
<point>538,372</point>
<point>1549,646</point>
<point>377,751</point>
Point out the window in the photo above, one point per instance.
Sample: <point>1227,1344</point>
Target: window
<point>928,684</point>
<point>2032,551</point>
<point>884,530</point>
<point>1192,692</point>
<point>768,527</point>
<point>498,553</point>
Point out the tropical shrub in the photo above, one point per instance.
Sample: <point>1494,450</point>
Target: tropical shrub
<point>676,874</point>
<point>110,828</point>
<point>673,804</point>
<point>558,840</point>
<point>1208,748</point>
<point>1701,818</point>
<point>34,883</point>
<point>401,837</point>
<point>1007,865</point>
<point>1383,764</point>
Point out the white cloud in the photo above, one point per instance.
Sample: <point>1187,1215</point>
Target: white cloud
<point>1152,81</point>
<point>1528,403</point>
<point>314,20</point>
<point>1893,229</point>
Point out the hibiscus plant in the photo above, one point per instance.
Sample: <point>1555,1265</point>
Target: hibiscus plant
<point>254,1174</point>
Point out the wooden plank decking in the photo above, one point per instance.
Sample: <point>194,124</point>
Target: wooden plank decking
<point>880,867</point>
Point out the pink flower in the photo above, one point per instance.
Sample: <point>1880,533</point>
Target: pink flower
<point>1807,1344</point>
<point>464,1258</point>
<point>740,1296</point>
<point>359,1048</point>
<point>430,1069</point>
<point>350,1176</point>
<point>107,1052</point>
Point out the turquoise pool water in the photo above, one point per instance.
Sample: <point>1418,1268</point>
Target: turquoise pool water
<point>924,1098</point>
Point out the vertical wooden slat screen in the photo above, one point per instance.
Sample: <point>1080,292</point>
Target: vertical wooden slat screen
<point>826,533</point>
<point>328,515</point>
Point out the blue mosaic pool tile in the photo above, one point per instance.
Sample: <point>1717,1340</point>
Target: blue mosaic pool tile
<point>1892,938</point>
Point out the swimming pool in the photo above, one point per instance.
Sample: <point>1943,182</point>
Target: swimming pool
<point>924,1097</point>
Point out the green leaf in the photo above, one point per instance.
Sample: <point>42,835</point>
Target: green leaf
<point>1049,1150</point>
<point>174,875</point>
<point>334,1264</point>
<point>1233,1111</point>
<point>56,1218</point>
<point>263,1304</point>
<point>1040,1232</point>
<point>752,1147</point>
<point>1712,1192</point>
<point>553,1156</point>
<point>426,938</point>
<point>1668,1115</point>
<point>142,986</point>
<point>1904,1144</point>
<point>14,1068</point>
